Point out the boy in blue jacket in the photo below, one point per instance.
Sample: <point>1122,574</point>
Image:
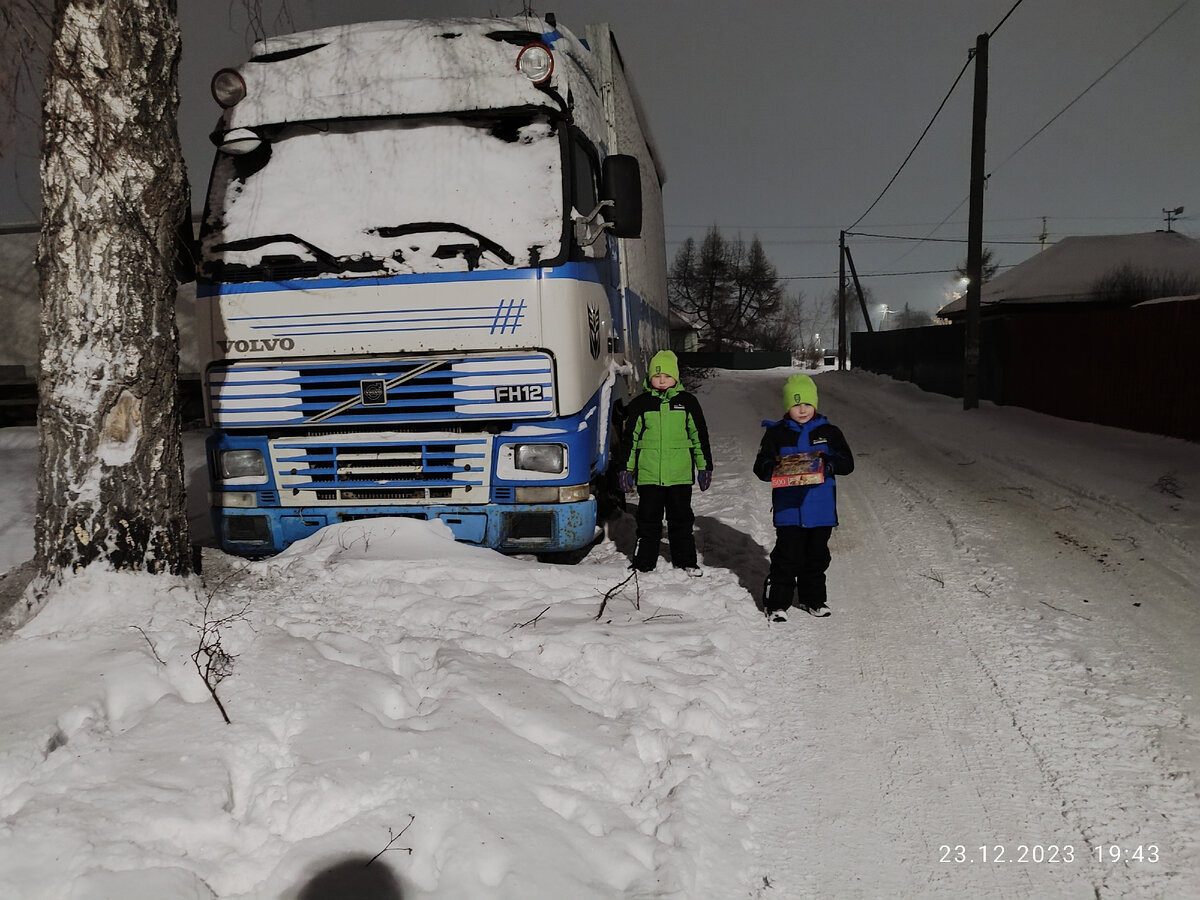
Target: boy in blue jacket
<point>805,514</point>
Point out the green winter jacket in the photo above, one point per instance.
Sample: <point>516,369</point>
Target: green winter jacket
<point>665,436</point>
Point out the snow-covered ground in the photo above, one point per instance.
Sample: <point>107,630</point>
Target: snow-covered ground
<point>1002,704</point>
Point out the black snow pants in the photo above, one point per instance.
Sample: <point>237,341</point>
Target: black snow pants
<point>798,565</point>
<point>676,501</point>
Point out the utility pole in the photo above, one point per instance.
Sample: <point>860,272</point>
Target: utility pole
<point>975,226</point>
<point>841,301</point>
<point>862,300</point>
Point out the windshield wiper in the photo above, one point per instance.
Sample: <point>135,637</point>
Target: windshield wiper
<point>449,251</point>
<point>325,261</point>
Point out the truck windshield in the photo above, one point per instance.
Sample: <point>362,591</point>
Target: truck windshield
<point>367,198</point>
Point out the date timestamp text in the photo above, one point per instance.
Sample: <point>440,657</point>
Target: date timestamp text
<point>1047,853</point>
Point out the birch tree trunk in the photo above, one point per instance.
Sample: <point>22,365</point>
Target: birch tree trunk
<point>110,483</point>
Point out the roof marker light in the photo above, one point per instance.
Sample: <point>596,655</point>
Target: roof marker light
<point>536,62</point>
<point>239,142</point>
<point>228,88</point>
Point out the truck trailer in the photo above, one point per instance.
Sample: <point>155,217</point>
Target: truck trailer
<point>432,271</point>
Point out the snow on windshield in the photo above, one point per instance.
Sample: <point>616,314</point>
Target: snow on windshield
<point>429,195</point>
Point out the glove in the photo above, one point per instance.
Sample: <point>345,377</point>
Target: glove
<point>625,480</point>
<point>827,464</point>
<point>704,479</point>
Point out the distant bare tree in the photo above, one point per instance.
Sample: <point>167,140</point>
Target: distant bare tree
<point>785,330</point>
<point>854,314</point>
<point>1127,284</point>
<point>726,288</point>
<point>24,37</point>
<point>909,318</point>
<point>110,482</point>
<point>256,19</point>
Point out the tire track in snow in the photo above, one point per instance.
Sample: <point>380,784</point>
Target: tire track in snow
<point>1090,693</point>
<point>903,747</point>
<point>887,740</point>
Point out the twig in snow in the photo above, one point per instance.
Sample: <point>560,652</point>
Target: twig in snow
<point>616,589</point>
<point>394,838</point>
<point>1067,611</point>
<point>532,621</point>
<point>217,664</point>
<point>935,576</point>
<point>161,661</point>
<point>348,544</point>
<point>980,590</point>
<point>658,615</point>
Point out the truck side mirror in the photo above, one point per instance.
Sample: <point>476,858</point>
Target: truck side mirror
<point>621,182</point>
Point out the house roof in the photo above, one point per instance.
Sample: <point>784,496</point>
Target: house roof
<point>1067,272</point>
<point>677,321</point>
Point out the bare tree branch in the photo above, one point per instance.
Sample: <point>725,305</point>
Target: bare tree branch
<point>394,838</point>
<point>617,588</point>
<point>25,29</point>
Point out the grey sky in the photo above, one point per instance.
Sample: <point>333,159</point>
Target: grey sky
<point>786,118</point>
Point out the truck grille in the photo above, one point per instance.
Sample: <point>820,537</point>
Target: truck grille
<point>366,469</point>
<point>297,393</point>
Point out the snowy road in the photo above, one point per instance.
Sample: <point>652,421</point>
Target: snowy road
<point>1002,705</point>
<point>1002,699</point>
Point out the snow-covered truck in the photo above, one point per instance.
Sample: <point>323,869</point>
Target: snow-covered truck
<point>432,268</point>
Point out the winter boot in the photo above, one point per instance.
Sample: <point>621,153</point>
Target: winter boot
<point>645,555</point>
<point>777,594</point>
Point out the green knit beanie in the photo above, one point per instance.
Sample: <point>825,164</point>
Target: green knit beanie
<point>799,389</point>
<point>664,362</point>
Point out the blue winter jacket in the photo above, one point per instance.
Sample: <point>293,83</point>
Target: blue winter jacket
<point>809,505</point>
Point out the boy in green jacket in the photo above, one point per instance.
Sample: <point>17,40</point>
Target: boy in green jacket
<point>667,441</point>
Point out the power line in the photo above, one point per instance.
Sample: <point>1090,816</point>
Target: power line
<point>834,276</point>
<point>892,181</point>
<point>1031,138</point>
<point>832,228</point>
<point>1100,78</point>
<point>941,106</point>
<point>1005,19</point>
<point>908,237</point>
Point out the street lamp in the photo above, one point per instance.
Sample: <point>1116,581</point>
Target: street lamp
<point>883,318</point>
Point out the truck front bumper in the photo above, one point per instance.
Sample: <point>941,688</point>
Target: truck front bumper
<point>509,528</point>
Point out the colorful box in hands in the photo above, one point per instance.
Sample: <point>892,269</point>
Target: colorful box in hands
<point>798,468</point>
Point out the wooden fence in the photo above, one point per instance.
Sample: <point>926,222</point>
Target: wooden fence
<point>1136,368</point>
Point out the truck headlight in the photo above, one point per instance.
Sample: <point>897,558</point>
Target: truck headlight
<point>233,499</point>
<point>536,62</point>
<point>242,464</point>
<point>550,458</point>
